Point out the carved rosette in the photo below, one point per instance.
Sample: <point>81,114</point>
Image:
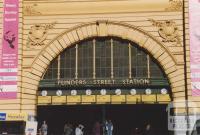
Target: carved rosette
<point>175,5</point>
<point>167,30</point>
<point>38,34</point>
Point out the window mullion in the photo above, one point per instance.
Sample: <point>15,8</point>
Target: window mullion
<point>76,69</point>
<point>148,66</point>
<point>130,62</point>
<point>58,74</point>
<point>112,72</point>
<point>94,58</point>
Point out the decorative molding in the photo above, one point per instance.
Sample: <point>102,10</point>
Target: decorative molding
<point>168,30</point>
<point>38,34</point>
<point>174,5</point>
<point>30,10</point>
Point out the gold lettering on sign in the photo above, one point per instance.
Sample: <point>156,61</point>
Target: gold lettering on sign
<point>136,81</point>
<point>104,82</point>
<point>71,82</point>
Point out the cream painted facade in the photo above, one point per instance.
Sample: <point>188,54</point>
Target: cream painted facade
<point>62,23</point>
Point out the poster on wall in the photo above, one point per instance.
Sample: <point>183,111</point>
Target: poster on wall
<point>9,50</point>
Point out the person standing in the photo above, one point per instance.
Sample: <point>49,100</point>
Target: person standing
<point>44,128</point>
<point>79,130</point>
<point>109,128</point>
<point>97,129</point>
<point>148,130</point>
<point>67,129</point>
<point>104,127</point>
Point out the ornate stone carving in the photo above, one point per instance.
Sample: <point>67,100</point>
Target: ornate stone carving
<point>175,5</point>
<point>30,10</point>
<point>167,30</point>
<point>38,34</point>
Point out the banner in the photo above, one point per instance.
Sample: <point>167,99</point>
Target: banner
<point>31,128</point>
<point>9,50</point>
<point>194,19</point>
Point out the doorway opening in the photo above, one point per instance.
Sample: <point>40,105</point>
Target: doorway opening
<point>125,118</point>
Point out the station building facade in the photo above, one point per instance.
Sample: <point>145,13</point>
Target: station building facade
<point>101,52</point>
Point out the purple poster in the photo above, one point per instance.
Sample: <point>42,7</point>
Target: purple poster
<point>194,21</point>
<point>9,50</point>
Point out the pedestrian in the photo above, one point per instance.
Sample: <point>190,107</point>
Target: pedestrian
<point>97,128</point>
<point>104,127</point>
<point>109,128</point>
<point>67,129</point>
<point>79,130</point>
<point>148,130</point>
<point>44,128</point>
<point>136,131</point>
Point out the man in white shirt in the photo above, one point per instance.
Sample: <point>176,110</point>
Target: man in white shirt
<point>79,130</point>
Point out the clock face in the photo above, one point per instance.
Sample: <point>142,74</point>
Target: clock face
<point>88,92</point>
<point>118,92</point>
<point>133,91</point>
<point>148,91</point>
<point>44,93</point>
<point>163,91</point>
<point>59,93</point>
<point>73,92</point>
<point>103,92</point>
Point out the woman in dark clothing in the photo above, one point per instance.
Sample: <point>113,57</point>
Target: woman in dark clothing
<point>97,129</point>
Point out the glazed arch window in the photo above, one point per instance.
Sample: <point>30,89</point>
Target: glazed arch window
<point>100,58</point>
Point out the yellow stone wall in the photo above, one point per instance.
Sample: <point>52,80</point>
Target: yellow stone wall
<point>73,20</point>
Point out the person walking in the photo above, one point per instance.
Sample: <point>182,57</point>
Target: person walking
<point>109,128</point>
<point>44,128</point>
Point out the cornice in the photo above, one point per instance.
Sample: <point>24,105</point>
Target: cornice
<point>60,7</point>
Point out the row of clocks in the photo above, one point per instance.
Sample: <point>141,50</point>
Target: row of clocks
<point>103,92</point>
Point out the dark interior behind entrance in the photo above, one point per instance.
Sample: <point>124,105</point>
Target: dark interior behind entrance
<point>12,127</point>
<point>125,118</point>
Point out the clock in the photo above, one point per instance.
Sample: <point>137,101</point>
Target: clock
<point>59,93</point>
<point>88,92</point>
<point>118,92</point>
<point>74,92</point>
<point>103,91</point>
<point>133,91</point>
<point>44,93</point>
<point>163,91</point>
<point>148,91</point>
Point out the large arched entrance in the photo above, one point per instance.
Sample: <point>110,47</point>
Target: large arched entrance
<point>104,78</point>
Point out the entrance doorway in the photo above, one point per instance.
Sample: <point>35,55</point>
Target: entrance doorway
<point>125,118</point>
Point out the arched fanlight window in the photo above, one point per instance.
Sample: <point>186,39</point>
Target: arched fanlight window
<point>109,57</point>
